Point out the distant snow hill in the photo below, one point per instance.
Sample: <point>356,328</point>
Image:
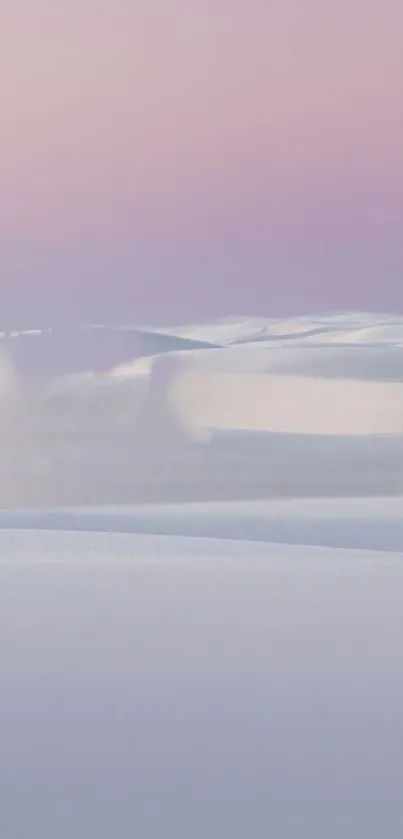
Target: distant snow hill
<point>44,354</point>
<point>240,408</point>
<point>331,345</point>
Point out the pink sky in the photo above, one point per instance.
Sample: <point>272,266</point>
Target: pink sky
<point>150,148</point>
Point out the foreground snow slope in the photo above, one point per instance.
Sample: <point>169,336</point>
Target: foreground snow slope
<point>195,688</point>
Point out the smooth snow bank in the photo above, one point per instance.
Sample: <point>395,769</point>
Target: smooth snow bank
<point>195,688</point>
<point>288,404</point>
<point>374,524</point>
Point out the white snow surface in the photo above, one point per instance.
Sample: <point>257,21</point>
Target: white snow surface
<point>165,687</point>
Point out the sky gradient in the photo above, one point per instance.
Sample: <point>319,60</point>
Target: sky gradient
<point>177,160</point>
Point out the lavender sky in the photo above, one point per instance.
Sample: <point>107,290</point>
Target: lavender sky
<point>177,159</point>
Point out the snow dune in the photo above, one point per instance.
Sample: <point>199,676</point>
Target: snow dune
<point>332,327</point>
<point>330,374</point>
<point>316,402</point>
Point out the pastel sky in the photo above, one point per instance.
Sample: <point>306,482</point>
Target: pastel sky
<point>171,159</point>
